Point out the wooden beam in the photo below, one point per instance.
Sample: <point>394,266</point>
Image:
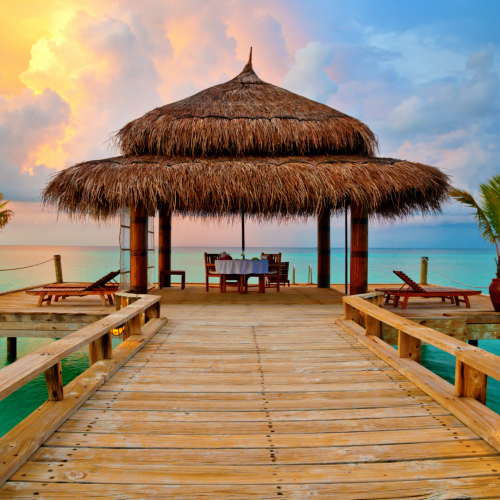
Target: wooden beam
<point>165,245</point>
<point>324,248</point>
<point>54,381</point>
<point>470,382</point>
<point>359,250</point>
<point>409,347</point>
<point>139,248</point>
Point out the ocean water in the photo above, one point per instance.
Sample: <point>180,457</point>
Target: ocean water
<point>468,266</point>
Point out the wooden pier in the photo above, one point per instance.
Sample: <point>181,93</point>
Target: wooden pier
<point>255,396</point>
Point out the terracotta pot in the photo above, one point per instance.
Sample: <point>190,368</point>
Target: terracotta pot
<point>495,293</point>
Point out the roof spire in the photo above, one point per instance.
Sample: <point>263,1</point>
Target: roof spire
<point>248,74</point>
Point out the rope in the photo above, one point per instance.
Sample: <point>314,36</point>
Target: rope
<point>25,267</point>
<point>463,284</point>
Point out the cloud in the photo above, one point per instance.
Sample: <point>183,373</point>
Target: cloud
<point>104,68</point>
<point>27,123</point>
<point>308,76</point>
<point>442,106</point>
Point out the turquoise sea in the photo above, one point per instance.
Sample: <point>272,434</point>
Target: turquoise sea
<point>473,267</point>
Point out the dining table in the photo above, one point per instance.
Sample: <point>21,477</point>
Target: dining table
<point>243,268</point>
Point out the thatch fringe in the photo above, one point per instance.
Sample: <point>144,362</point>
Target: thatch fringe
<point>245,117</point>
<point>265,187</point>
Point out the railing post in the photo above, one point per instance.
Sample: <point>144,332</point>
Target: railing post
<point>58,266</point>
<point>53,378</point>
<point>101,348</point>
<point>409,347</point>
<point>293,279</point>
<point>373,326</point>
<point>152,311</point>
<point>470,382</point>
<point>133,325</point>
<point>348,311</point>
<point>424,263</point>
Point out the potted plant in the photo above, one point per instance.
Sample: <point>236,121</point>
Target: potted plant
<point>487,214</point>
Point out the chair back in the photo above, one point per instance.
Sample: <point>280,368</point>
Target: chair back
<point>409,281</point>
<point>101,282</point>
<point>285,266</point>
<point>273,258</point>
<point>210,258</point>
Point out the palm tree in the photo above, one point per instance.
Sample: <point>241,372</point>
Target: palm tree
<point>487,211</point>
<point>5,215</point>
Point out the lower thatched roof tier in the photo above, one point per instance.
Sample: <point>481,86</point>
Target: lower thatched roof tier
<point>267,187</point>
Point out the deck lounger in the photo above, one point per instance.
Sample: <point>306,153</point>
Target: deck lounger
<point>101,287</point>
<point>416,290</point>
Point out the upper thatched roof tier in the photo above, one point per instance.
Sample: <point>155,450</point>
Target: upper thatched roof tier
<point>268,187</point>
<point>243,117</point>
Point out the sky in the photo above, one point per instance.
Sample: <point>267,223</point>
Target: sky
<point>423,75</point>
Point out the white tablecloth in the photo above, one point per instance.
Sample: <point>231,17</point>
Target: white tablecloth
<point>241,266</point>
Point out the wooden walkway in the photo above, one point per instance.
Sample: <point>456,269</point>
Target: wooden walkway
<point>248,399</point>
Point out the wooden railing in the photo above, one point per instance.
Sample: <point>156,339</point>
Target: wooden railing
<point>97,335</point>
<point>364,317</point>
<point>18,444</point>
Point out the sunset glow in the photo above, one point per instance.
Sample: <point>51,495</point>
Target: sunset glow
<point>73,72</point>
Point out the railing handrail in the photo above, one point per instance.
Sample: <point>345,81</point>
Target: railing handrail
<point>19,373</point>
<point>479,359</point>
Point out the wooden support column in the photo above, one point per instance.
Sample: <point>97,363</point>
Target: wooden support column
<point>470,382</point>
<point>165,245</point>
<point>324,248</point>
<point>53,378</point>
<point>139,248</point>
<point>58,268</point>
<point>101,348</point>
<point>12,347</point>
<point>359,250</point>
<point>409,347</point>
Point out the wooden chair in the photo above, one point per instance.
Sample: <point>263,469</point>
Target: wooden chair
<point>210,271</point>
<point>284,268</point>
<point>416,290</point>
<point>274,270</point>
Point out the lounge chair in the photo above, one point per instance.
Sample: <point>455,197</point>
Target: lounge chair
<point>101,287</point>
<point>416,290</point>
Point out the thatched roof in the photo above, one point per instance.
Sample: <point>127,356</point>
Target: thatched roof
<point>262,186</point>
<point>247,145</point>
<point>245,116</point>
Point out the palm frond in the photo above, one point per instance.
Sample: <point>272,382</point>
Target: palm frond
<point>5,215</point>
<point>487,212</point>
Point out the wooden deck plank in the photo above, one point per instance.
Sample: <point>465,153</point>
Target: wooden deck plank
<point>248,397</point>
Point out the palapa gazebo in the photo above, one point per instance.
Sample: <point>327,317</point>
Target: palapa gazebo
<point>248,147</point>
